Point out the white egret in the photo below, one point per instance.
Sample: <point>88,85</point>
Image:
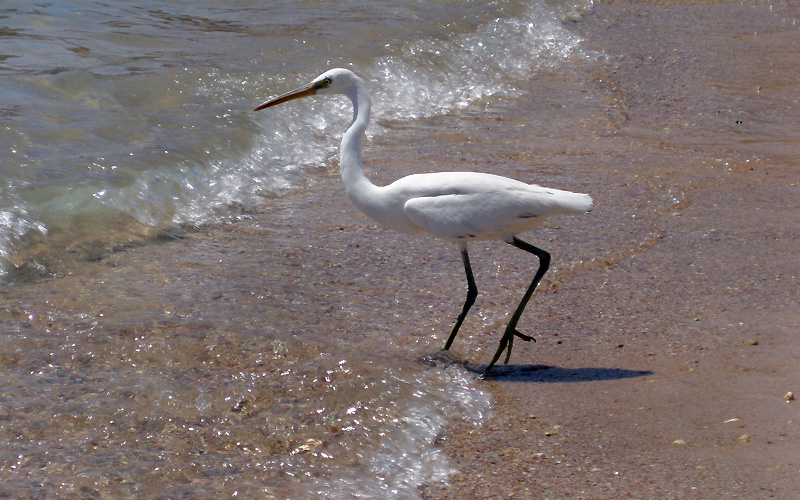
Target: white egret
<point>454,206</point>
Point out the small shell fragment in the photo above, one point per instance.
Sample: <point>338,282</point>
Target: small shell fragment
<point>309,445</point>
<point>789,396</point>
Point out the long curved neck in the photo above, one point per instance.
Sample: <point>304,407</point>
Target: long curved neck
<point>353,141</point>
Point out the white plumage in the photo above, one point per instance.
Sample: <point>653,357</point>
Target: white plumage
<point>455,206</point>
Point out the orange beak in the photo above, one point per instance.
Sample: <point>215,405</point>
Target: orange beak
<point>294,94</point>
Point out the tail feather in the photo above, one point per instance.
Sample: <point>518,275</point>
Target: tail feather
<point>569,202</point>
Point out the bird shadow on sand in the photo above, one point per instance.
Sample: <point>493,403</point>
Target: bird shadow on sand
<point>543,374</point>
<point>555,374</point>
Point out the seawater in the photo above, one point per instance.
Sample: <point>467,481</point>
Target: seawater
<point>122,119</point>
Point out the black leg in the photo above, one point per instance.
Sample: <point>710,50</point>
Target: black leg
<point>511,329</point>
<point>472,292</point>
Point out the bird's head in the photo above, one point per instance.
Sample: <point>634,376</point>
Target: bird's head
<point>333,81</point>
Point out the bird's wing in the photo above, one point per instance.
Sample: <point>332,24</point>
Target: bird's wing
<point>489,214</point>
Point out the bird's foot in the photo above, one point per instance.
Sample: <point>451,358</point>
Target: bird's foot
<point>526,338</point>
<point>506,344</point>
<point>515,333</point>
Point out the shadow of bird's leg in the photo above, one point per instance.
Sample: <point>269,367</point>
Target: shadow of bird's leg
<point>472,293</point>
<point>511,330</point>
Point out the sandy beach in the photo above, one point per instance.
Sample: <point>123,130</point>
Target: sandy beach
<point>668,332</point>
<point>665,363</point>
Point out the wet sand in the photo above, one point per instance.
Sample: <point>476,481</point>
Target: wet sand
<point>703,299</point>
<point>667,330</point>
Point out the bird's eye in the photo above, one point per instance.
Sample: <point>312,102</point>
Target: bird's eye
<point>323,84</point>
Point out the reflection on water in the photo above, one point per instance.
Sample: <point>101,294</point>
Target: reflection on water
<point>183,407</point>
<point>189,368</point>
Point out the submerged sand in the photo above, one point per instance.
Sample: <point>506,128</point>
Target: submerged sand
<point>667,330</point>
